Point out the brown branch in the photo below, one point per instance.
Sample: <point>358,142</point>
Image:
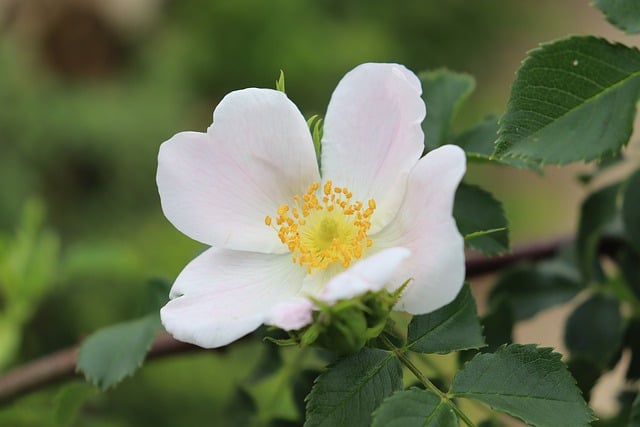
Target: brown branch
<point>478,265</point>
<point>61,366</point>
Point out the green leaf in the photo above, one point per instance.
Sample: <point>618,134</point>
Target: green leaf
<point>632,342</point>
<point>476,210</point>
<point>479,140</point>
<point>117,351</point>
<point>498,325</point>
<point>624,14</point>
<point>453,327</point>
<point>628,261</point>
<point>444,93</point>
<point>526,382</point>
<point>601,165</point>
<point>159,289</point>
<point>594,330</point>
<point>596,212</point>
<point>527,290</point>
<point>70,400</point>
<point>414,407</point>
<point>634,420</point>
<point>241,409</point>
<point>479,144</point>
<point>269,363</point>
<point>348,392</point>
<point>631,209</point>
<point>573,99</point>
<point>269,385</point>
<point>585,373</point>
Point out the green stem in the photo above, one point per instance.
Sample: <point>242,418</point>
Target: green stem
<point>404,359</point>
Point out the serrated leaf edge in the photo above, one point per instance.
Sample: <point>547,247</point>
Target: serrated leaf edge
<point>498,152</point>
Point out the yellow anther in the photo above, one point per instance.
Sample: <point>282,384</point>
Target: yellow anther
<point>324,228</point>
<point>283,209</point>
<point>327,188</point>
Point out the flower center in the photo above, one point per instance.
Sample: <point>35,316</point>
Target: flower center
<point>323,228</point>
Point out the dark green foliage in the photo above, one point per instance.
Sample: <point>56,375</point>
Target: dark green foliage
<point>444,93</point>
<point>631,210</point>
<point>242,408</point>
<point>453,327</point>
<point>594,330</point>
<point>479,144</point>
<point>632,342</point>
<point>635,413</point>
<point>498,325</point>
<point>586,374</point>
<point>624,14</point>
<point>481,219</point>
<point>527,290</point>
<point>596,213</point>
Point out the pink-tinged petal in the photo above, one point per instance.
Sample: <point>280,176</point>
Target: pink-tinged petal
<point>292,314</point>
<point>370,274</point>
<point>217,187</point>
<point>223,295</point>
<point>372,135</point>
<point>425,225</point>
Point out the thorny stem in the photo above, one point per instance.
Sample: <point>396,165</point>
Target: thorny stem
<point>61,366</point>
<point>404,359</point>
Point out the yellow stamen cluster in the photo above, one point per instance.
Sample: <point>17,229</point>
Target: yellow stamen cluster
<point>324,227</point>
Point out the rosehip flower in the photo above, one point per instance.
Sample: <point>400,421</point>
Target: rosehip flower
<point>282,231</point>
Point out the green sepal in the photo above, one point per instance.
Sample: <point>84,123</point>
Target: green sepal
<point>280,82</point>
<point>346,326</point>
<point>315,123</point>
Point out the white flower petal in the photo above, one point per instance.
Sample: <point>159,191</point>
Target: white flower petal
<point>425,226</point>
<point>291,314</point>
<point>223,295</point>
<point>370,274</point>
<point>217,187</point>
<point>372,135</point>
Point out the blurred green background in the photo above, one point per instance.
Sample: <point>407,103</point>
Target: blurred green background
<point>89,90</point>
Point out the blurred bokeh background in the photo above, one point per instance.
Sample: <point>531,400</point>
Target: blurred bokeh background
<point>88,91</point>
